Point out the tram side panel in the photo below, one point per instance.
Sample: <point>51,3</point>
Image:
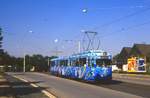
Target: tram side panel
<point>84,73</point>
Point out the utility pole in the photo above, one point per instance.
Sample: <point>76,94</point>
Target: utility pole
<point>24,63</point>
<point>48,62</point>
<point>79,45</point>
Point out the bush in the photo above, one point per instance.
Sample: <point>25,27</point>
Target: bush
<point>148,68</point>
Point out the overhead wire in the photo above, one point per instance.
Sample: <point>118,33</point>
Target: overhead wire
<point>125,29</point>
<point>122,18</point>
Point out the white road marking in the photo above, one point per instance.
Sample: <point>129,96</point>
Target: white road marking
<point>48,94</point>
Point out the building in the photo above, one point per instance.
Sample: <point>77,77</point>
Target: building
<point>122,57</point>
<point>138,50</point>
<point>141,50</point>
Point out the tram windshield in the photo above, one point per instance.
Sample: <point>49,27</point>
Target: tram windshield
<point>103,62</point>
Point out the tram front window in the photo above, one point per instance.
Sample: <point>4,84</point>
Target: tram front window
<point>103,62</point>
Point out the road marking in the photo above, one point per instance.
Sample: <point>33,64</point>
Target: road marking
<point>48,94</point>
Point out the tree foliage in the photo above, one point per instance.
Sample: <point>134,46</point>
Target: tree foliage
<point>39,62</point>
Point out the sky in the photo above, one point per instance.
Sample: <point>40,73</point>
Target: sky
<point>33,26</point>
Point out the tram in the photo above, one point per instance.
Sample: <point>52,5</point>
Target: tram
<point>92,65</point>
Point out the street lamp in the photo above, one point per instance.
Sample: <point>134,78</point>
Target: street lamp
<point>24,59</point>
<point>84,10</point>
<point>24,63</point>
<point>56,40</point>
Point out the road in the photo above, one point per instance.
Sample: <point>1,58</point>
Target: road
<point>15,88</point>
<point>133,78</point>
<point>65,88</point>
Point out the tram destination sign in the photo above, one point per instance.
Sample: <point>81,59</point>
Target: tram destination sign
<point>104,57</point>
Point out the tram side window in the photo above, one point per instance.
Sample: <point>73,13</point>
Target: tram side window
<point>77,63</point>
<point>63,62</point>
<point>82,61</point>
<point>103,62</point>
<point>73,62</point>
<point>52,63</point>
<point>66,62</point>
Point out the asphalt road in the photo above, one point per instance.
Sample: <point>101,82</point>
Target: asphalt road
<point>20,89</point>
<point>65,88</point>
<point>5,91</point>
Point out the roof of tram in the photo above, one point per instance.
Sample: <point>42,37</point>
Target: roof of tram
<point>96,54</point>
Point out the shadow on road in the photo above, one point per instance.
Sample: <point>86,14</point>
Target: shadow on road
<point>20,89</point>
<point>5,89</point>
<point>105,82</point>
<point>24,83</point>
<point>136,89</point>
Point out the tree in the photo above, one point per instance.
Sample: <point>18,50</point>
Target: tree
<point>148,58</point>
<point>39,62</point>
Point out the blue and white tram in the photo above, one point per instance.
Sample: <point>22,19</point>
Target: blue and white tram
<point>93,65</point>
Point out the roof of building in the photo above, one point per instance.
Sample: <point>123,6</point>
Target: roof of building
<point>127,49</point>
<point>144,49</point>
